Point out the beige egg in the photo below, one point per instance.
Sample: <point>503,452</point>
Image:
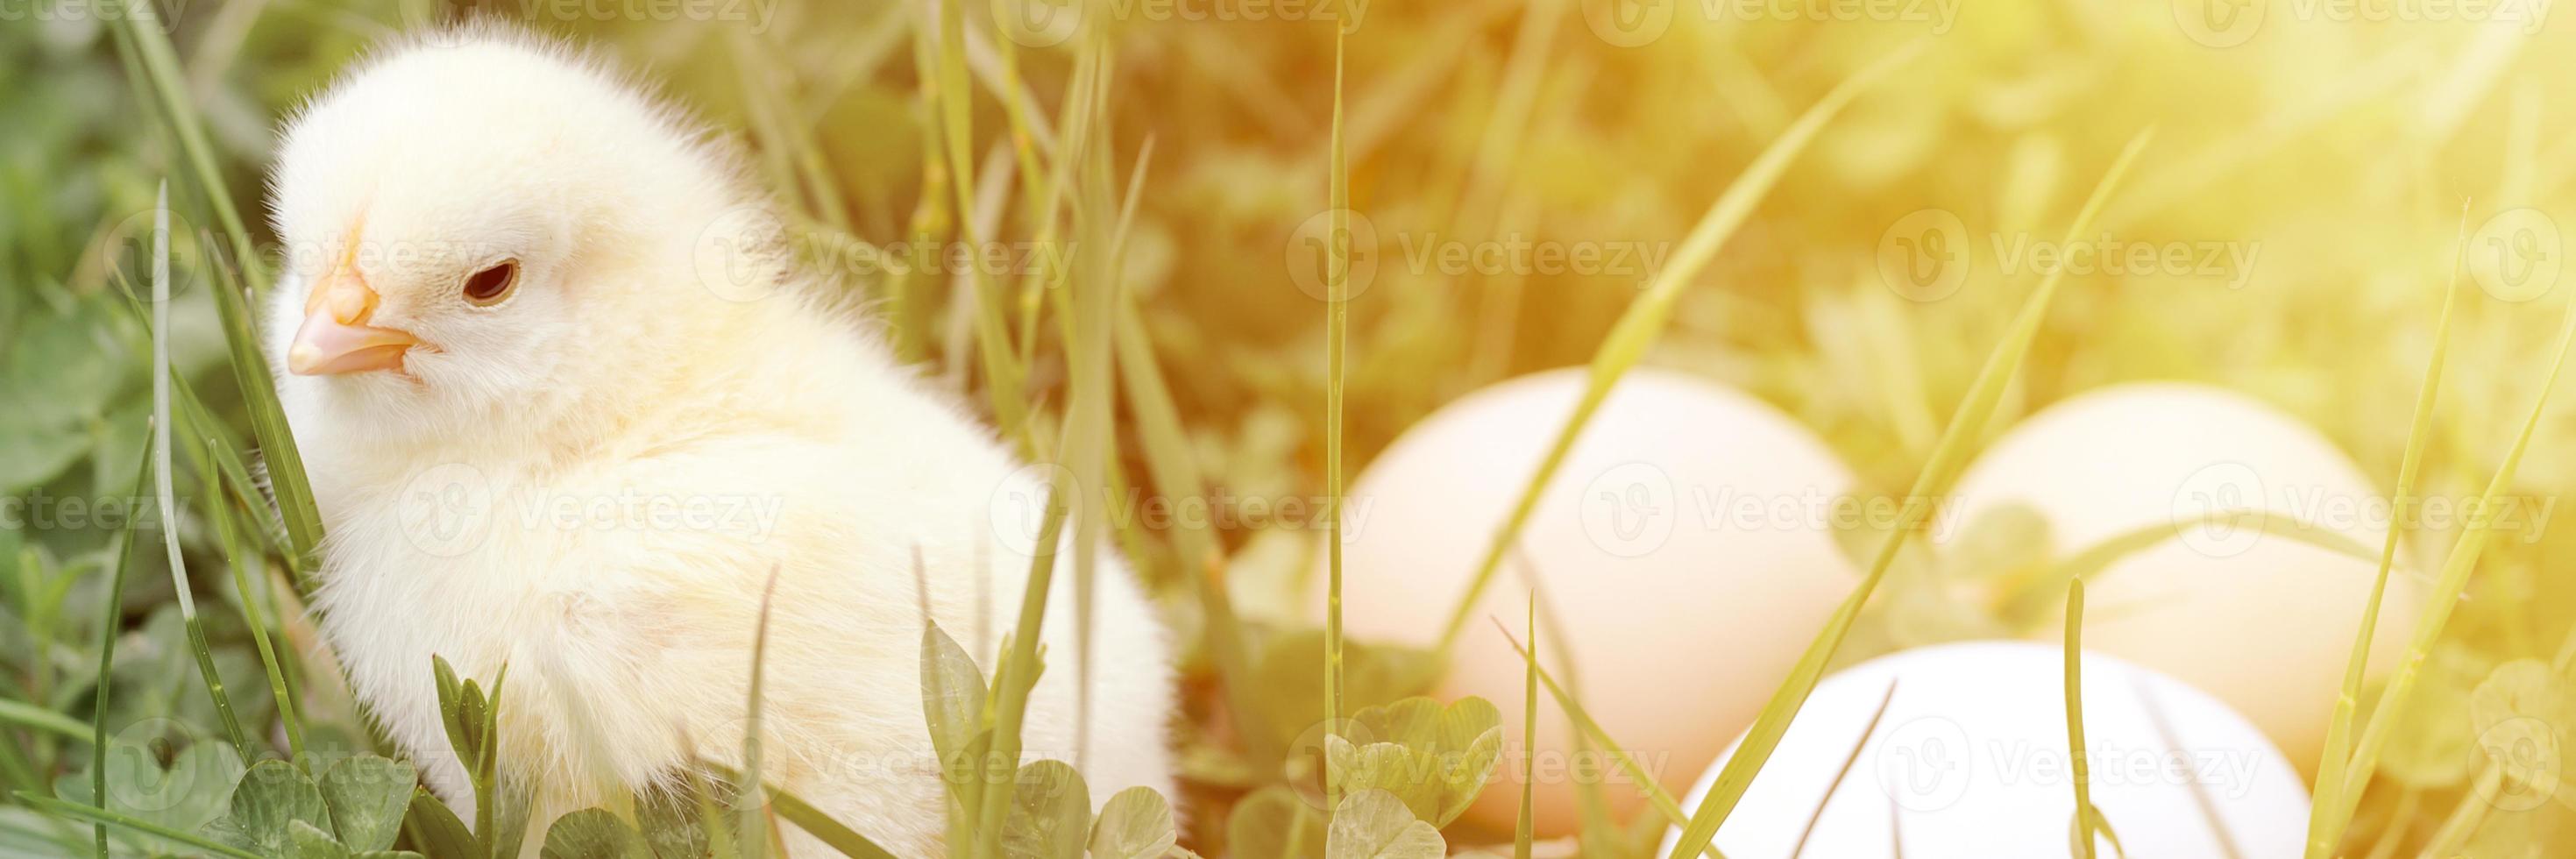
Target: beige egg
<point>1683,548</point>
<point>2262,619</point>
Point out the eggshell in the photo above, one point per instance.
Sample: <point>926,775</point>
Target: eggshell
<point>1970,760</point>
<point>1682,546</point>
<point>2265,621</point>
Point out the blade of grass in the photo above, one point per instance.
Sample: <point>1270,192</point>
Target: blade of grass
<point>2084,814</point>
<point>31,717</point>
<point>711,819</point>
<point>1656,796</point>
<point>2337,756</point>
<point>1498,148</point>
<point>141,34</point>
<point>1591,801</point>
<point>1085,96</point>
<point>240,559</point>
<point>105,817</point>
<point>1643,322</point>
<point>2032,591</point>
<point>2445,596</point>
<point>1091,401</point>
<point>752,826</point>
<point>1967,424</point>
<point>110,625</point>
<point>161,481</point>
<point>908,314</point>
<point>1337,325</point>
<point>1858,744</point>
<point>815,823</point>
<point>2467,815</point>
<point>1017,674</point>
<point>1895,830</point>
<point>1523,831</point>
<point>983,60</point>
<point>196,421</point>
<point>1002,372</point>
<point>1036,182</point>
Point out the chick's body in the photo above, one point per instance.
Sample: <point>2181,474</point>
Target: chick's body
<point>591,479</point>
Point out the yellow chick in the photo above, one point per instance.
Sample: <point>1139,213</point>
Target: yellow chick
<point>566,405</point>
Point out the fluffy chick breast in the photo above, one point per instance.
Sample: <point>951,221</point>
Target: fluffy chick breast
<point>591,481</point>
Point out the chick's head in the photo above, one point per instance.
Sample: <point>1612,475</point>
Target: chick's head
<point>486,228</point>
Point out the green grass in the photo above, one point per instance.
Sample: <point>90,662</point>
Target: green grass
<point>1182,364</point>
<point>2332,793</point>
<point>162,480</point>
<point>2087,819</point>
<point>1644,321</point>
<point>1337,321</point>
<point>2438,607</point>
<point>1947,458</point>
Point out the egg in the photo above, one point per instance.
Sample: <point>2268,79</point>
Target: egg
<point>1970,759</point>
<point>1682,547</point>
<point>2265,621</point>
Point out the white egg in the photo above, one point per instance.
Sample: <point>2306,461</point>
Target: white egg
<point>1970,760</point>
<point>1683,545</point>
<point>2265,621</point>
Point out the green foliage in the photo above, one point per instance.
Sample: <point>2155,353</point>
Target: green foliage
<point>1434,759</point>
<point>1050,813</point>
<point>269,797</point>
<point>1049,805</point>
<point>1290,679</point>
<point>1136,823</point>
<point>1275,823</point>
<point>437,831</point>
<point>1374,824</point>
<point>471,717</point>
<point>952,700</point>
<point>367,796</point>
<point>1947,459</point>
<point>870,148</point>
<point>593,833</point>
<point>193,790</point>
<point>278,810</point>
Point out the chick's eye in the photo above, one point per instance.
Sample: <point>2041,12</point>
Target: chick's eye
<point>493,283</point>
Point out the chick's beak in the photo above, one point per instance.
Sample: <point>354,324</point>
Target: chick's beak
<point>335,338</point>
